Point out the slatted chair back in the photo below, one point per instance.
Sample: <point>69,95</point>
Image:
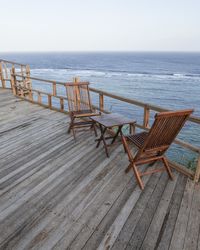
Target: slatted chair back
<point>78,96</point>
<point>165,128</point>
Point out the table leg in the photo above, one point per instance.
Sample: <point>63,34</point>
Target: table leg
<point>117,133</point>
<point>121,134</point>
<point>132,129</point>
<point>102,138</point>
<point>105,145</point>
<point>94,127</point>
<point>102,135</point>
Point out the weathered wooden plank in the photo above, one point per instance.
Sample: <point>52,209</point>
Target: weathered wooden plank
<point>37,195</point>
<point>115,228</point>
<point>166,232</point>
<point>6,154</point>
<point>31,127</point>
<point>20,121</point>
<point>69,195</point>
<point>128,229</point>
<point>62,208</point>
<point>78,200</point>
<point>30,166</point>
<point>151,237</point>
<point>9,147</point>
<point>66,226</point>
<point>64,183</point>
<point>193,226</point>
<point>177,241</point>
<point>145,220</point>
<point>106,208</point>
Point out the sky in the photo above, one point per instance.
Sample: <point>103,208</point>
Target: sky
<point>99,25</point>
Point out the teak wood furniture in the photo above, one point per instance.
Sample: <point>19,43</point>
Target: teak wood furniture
<point>108,121</point>
<point>80,106</point>
<point>153,144</point>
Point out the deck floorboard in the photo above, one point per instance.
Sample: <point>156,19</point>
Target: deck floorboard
<point>56,193</point>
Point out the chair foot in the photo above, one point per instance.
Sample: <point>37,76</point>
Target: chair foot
<point>128,168</point>
<point>69,129</point>
<point>136,173</point>
<point>168,169</point>
<point>74,135</point>
<point>137,176</point>
<point>95,130</point>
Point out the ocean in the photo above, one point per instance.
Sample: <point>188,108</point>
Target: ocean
<point>170,80</point>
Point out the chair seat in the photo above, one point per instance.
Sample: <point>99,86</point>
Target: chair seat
<point>138,139</point>
<point>83,113</point>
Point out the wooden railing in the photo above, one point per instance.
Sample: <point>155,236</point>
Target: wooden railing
<point>29,93</point>
<point>5,71</point>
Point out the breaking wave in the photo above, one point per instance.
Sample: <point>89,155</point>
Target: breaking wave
<point>109,73</point>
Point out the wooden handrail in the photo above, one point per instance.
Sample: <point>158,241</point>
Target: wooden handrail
<point>147,107</point>
<point>43,80</point>
<point>11,62</point>
<point>140,104</point>
<point>117,97</point>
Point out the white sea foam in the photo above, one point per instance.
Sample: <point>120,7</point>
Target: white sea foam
<point>63,73</point>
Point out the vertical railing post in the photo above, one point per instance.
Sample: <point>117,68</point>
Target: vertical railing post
<point>54,89</point>
<point>28,80</point>
<point>76,79</point>
<point>13,80</point>
<point>49,101</point>
<point>101,102</point>
<point>30,94</point>
<point>22,70</point>
<point>39,98</point>
<point>1,73</point>
<point>62,104</point>
<point>197,172</point>
<point>6,70</point>
<point>146,116</point>
<point>132,129</point>
<point>3,82</point>
<point>77,102</point>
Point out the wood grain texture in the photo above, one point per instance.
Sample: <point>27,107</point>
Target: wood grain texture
<point>56,193</point>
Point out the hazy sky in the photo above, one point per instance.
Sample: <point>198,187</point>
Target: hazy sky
<point>100,25</point>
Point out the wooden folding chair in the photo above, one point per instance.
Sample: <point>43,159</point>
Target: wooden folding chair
<point>153,144</point>
<point>80,106</point>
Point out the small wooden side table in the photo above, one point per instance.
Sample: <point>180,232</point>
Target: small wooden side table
<point>108,121</point>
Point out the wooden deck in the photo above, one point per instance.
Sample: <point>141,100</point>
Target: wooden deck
<point>58,194</point>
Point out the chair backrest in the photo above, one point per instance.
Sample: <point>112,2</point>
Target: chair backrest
<point>165,128</point>
<point>78,96</point>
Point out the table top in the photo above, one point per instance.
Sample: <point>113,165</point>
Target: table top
<point>113,119</point>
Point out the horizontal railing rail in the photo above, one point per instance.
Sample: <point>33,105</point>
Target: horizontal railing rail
<point>11,62</point>
<point>28,92</point>
<point>194,119</point>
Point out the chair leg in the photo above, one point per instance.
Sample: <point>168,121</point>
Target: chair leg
<point>70,125</point>
<point>69,129</point>
<point>167,168</point>
<point>94,127</point>
<point>101,136</point>
<point>125,150</point>
<point>137,175</point>
<point>74,135</point>
<point>128,168</point>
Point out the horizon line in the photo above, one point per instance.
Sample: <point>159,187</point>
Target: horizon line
<point>103,51</point>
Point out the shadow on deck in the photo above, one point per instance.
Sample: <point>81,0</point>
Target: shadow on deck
<point>58,194</point>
